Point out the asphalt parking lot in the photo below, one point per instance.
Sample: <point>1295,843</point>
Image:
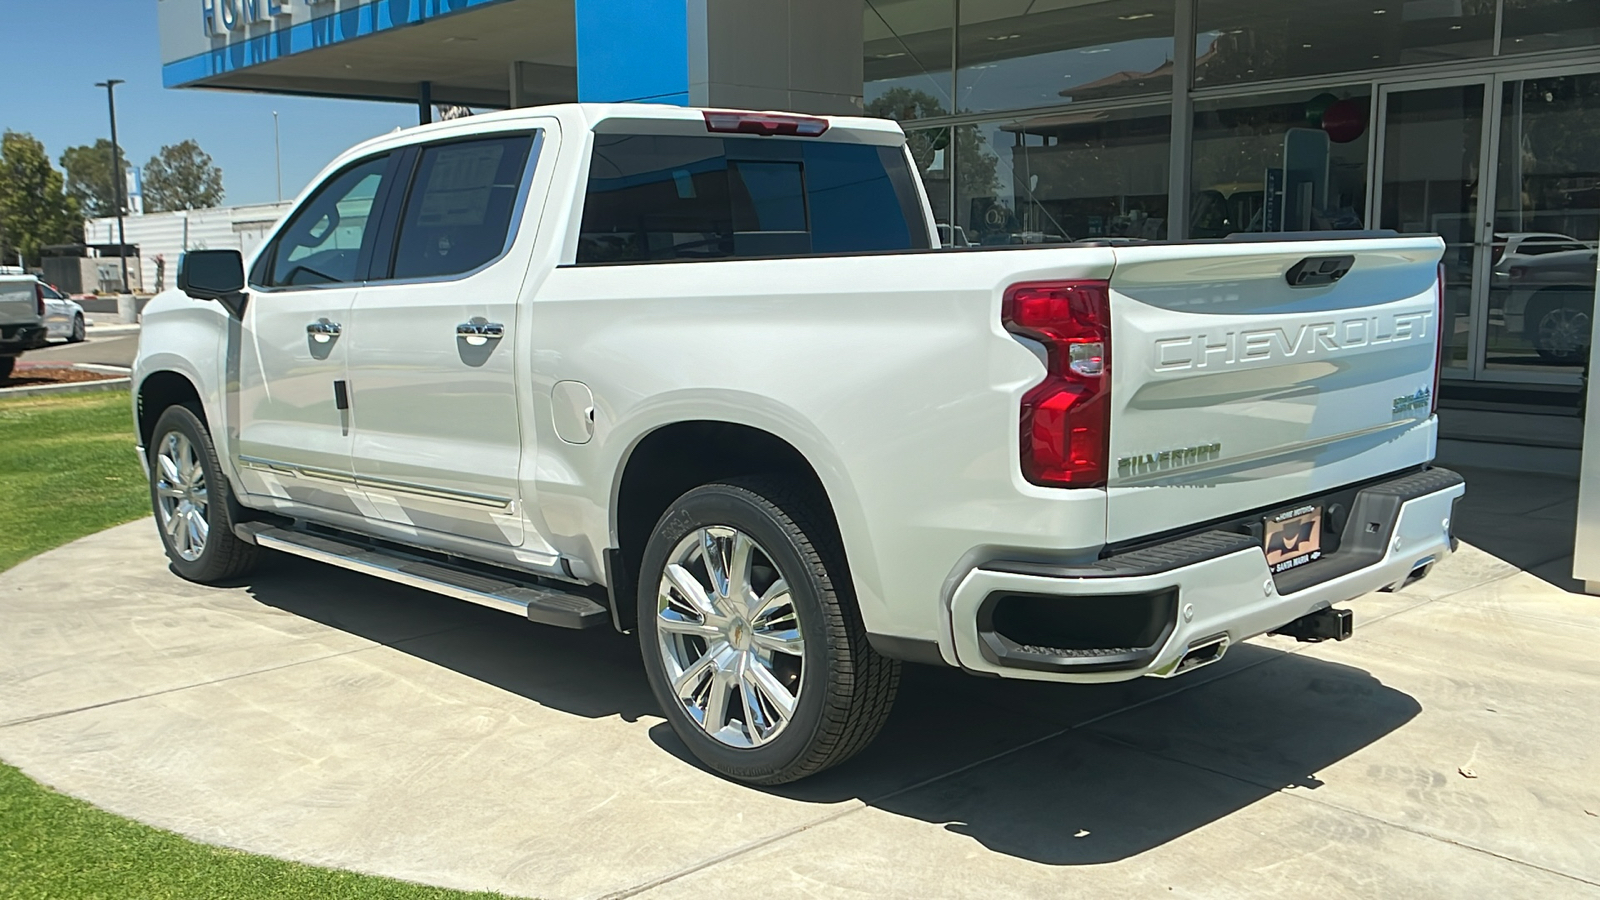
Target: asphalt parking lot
<point>1448,750</point>
<point>107,345</point>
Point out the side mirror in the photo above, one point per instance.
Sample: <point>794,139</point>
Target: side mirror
<point>214,275</point>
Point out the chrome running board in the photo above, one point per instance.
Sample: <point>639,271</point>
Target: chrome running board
<point>545,605</point>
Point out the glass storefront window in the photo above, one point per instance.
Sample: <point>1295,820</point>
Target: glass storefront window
<point>1430,186</point>
<point>907,50</point>
<point>1063,177</point>
<point>1254,40</point>
<point>1020,54</point>
<point>1289,162</point>
<point>930,149</point>
<point>1546,225</point>
<point>1549,25</point>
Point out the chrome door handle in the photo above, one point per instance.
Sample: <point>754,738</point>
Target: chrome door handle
<point>323,331</point>
<point>479,333</point>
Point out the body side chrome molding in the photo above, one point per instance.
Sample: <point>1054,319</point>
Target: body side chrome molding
<point>382,484</point>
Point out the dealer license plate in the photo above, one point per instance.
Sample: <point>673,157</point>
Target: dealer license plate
<point>1293,538</point>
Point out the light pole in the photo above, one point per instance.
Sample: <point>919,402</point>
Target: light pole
<point>277,150</point>
<point>117,186</point>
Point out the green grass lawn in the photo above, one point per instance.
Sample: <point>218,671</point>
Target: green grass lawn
<point>68,469</point>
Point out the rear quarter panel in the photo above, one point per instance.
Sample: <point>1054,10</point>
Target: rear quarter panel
<point>889,373</point>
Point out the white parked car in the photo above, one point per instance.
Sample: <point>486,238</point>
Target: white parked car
<point>63,316</point>
<point>1542,287</point>
<point>706,377</point>
<point>1510,247</point>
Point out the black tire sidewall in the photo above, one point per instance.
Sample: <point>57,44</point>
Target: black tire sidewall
<point>1548,306</point>
<point>737,507</point>
<point>79,331</point>
<point>7,365</point>
<point>213,561</point>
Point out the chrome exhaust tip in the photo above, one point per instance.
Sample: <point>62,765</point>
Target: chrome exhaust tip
<point>1198,654</point>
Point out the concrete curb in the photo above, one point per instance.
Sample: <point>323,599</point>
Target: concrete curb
<point>82,387</point>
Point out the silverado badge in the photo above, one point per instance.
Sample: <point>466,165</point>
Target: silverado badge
<point>1178,458</point>
<point>1422,399</point>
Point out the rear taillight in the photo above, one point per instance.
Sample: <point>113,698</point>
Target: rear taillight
<point>1443,333</point>
<point>764,123</point>
<point>1066,419</point>
<point>38,297</point>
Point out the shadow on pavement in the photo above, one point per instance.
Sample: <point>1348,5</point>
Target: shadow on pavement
<point>1101,792</point>
<point>1055,774</point>
<point>593,673</point>
<point>1527,519</point>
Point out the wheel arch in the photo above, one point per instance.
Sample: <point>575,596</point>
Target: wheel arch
<point>1549,297</point>
<point>673,458</point>
<point>158,391</point>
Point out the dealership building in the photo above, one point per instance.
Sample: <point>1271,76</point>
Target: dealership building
<point>1047,120</point>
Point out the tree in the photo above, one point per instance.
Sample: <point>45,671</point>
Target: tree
<point>181,176</point>
<point>34,208</point>
<point>975,163</point>
<point>89,181</point>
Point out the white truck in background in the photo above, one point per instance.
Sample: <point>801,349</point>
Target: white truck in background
<point>22,317</point>
<point>704,376</point>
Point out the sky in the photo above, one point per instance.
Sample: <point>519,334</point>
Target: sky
<point>55,52</point>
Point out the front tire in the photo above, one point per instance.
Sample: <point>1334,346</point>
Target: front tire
<point>193,502</point>
<point>7,364</point>
<point>79,332</point>
<point>751,638</point>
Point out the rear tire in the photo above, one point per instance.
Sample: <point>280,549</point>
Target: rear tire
<point>7,364</point>
<point>767,678</point>
<point>193,502</point>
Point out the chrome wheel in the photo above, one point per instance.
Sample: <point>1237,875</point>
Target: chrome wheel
<point>182,498</point>
<point>1564,332</point>
<point>730,638</point>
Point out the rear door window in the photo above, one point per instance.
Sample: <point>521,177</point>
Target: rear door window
<point>663,197</point>
<point>461,206</point>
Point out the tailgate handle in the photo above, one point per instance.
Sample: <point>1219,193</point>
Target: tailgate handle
<point>1316,270</point>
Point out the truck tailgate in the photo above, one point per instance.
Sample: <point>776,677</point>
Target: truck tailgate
<point>19,304</point>
<point>1234,391</point>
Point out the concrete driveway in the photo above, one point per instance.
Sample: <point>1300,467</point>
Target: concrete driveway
<point>1449,750</point>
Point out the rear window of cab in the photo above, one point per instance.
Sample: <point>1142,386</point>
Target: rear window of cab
<point>676,197</point>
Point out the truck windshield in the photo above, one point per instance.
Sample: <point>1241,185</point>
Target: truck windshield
<point>661,197</point>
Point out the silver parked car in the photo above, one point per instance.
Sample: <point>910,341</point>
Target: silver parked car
<point>63,316</point>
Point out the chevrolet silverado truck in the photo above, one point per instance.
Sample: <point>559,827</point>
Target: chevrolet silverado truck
<point>22,317</point>
<point>706,377</point>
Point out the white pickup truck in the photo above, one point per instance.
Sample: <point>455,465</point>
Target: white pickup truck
<point>23,312</point>
<point>706,376</point>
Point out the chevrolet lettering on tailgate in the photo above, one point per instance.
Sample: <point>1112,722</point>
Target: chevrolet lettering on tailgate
<point>1200,351</point>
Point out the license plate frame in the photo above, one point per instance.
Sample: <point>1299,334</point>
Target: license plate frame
<point>1292,538</point>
